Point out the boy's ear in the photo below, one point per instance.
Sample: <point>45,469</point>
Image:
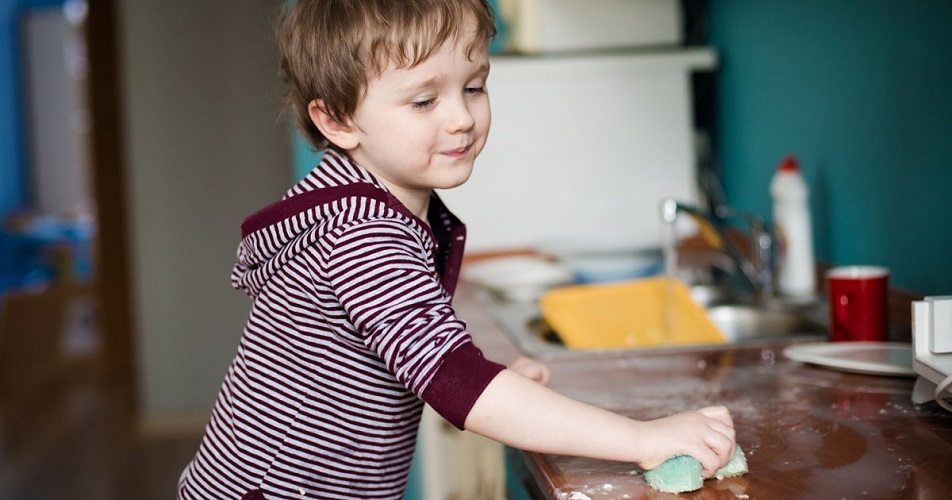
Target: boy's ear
<point>340,134</point>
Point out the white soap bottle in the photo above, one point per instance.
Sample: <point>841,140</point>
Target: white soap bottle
<point>791,215</point>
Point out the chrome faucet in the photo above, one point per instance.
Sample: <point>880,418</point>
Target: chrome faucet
<point>757,267</point>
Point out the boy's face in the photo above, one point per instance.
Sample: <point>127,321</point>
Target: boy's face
<point>421,128</point>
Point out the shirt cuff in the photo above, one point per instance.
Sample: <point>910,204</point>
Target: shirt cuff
<point>459,382</point>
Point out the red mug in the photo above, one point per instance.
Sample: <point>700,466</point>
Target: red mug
<point>859,305</point>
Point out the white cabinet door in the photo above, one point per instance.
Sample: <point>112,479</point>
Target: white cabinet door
<point>582,147</point>
<point>458,465</point>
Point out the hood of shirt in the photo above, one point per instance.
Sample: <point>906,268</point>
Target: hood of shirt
<point>274,235</point>
<point>269,235</point>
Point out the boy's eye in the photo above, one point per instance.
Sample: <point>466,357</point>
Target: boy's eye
<point>423,103</point>
<point>475,90</point>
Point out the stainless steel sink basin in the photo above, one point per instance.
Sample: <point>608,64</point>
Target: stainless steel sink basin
<point>739,323</point>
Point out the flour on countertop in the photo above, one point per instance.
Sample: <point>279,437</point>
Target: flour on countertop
<point>575,495</point>
<point>590,492</point>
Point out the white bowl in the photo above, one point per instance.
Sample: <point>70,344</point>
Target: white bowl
<point>518,278</point>
<point>606,260</point>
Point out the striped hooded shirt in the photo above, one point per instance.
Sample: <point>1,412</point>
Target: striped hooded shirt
<point>351,329</point>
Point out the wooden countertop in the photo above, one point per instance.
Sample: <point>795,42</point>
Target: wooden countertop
<point>808,432</point>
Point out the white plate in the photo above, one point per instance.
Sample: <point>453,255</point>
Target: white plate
<point>876,358</point>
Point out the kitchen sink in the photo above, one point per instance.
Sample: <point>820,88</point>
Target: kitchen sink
<point>739,323</point>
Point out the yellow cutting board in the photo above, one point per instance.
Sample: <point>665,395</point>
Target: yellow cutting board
<point>647,312</point>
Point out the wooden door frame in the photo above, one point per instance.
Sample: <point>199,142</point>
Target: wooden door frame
<point>112,271</point>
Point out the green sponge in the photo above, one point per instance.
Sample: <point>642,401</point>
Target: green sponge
<point>676,474</point>
<point>736,467</point>
<point>683,472</point>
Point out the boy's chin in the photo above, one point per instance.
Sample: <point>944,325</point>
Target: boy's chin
<point>454,176</point>
<point>457,181</point>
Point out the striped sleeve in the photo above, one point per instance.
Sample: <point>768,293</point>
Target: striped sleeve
<point>383,275</point>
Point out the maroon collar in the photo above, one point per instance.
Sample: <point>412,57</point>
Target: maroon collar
<point>444,227</point>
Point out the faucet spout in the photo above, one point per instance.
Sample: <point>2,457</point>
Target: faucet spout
<point>757,265</point>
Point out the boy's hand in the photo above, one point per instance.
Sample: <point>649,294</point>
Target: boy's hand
<point>531,369</point>
<point>706,434</point>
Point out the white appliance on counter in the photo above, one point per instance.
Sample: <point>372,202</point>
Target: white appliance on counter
<point>932,349</point>
<point>583,147</point>
<point>541,26</point>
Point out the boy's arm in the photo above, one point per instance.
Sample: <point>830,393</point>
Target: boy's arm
<point>547,422</point>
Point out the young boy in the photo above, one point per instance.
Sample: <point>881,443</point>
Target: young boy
<point>351,276</point>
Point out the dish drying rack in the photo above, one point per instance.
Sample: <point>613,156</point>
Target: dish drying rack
<point>932,350</point>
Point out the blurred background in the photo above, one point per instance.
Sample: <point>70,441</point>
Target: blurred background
<point>136,134</point>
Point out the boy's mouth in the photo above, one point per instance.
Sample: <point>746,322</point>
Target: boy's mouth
<point>458,152</point>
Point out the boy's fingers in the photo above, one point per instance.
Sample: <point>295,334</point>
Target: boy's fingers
<point>531,369</point>
<point>722,441</point>
<point>721,445</point>
<point>719,413</point>
<point>710,462</point>
<point>726,430</point>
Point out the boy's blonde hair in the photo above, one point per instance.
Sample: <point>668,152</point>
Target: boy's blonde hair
<point>331,49</point>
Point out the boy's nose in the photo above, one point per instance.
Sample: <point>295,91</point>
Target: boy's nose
<point>461,118</point>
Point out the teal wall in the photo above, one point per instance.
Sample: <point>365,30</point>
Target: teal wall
<point>861,92</point>
<point>305,157</point>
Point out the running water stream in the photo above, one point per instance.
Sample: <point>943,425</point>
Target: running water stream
<point>669,246</point>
